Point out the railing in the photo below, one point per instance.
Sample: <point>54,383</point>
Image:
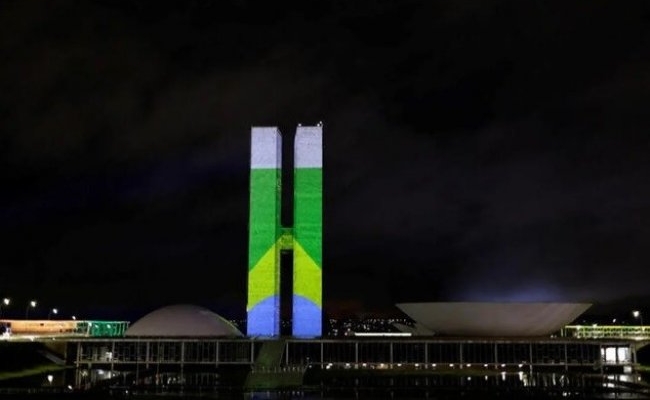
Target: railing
<point>363,353</point>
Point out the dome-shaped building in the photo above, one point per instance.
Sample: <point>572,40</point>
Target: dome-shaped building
<point>479,319</point>
<point>183,320</point>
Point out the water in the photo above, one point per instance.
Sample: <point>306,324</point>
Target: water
<point>432,386</point>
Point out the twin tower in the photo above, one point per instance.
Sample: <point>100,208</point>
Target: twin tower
<point>268,238</point>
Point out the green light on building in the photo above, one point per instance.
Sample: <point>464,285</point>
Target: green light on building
<point>102,328</point>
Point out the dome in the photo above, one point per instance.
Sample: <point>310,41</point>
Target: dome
<point>182,320</point>
<point>493,319</point>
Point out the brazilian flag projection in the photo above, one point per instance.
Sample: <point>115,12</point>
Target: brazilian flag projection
<point>266,233</point>
<point>308,231</point>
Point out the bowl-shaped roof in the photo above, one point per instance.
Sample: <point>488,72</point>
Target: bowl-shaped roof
<point>494,319</point>
<point>182,320</point>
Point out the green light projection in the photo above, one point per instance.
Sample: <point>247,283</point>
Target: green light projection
<point>263,304</point>
<point>267,237</point>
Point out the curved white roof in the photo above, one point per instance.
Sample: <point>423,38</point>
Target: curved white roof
<point>494,319</point>
<point>182,320</point>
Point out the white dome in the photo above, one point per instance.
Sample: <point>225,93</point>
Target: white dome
<point>493,319</point>
<point>182,320</point>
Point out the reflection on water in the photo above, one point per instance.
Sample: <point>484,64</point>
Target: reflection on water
<point>114,384</point>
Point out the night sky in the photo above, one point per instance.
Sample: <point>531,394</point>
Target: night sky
<point>473,150</point>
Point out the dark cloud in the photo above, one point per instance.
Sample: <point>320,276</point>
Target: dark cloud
<point>473,151</point>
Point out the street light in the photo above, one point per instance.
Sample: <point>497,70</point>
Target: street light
<point>637,314</point>
<point>52,311</point>
<point>31,304</point>
<point>5,302</point>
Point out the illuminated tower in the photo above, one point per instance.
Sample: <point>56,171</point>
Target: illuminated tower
<point>308,231</point>
<point>264,233</point>
<point>267,238</point>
